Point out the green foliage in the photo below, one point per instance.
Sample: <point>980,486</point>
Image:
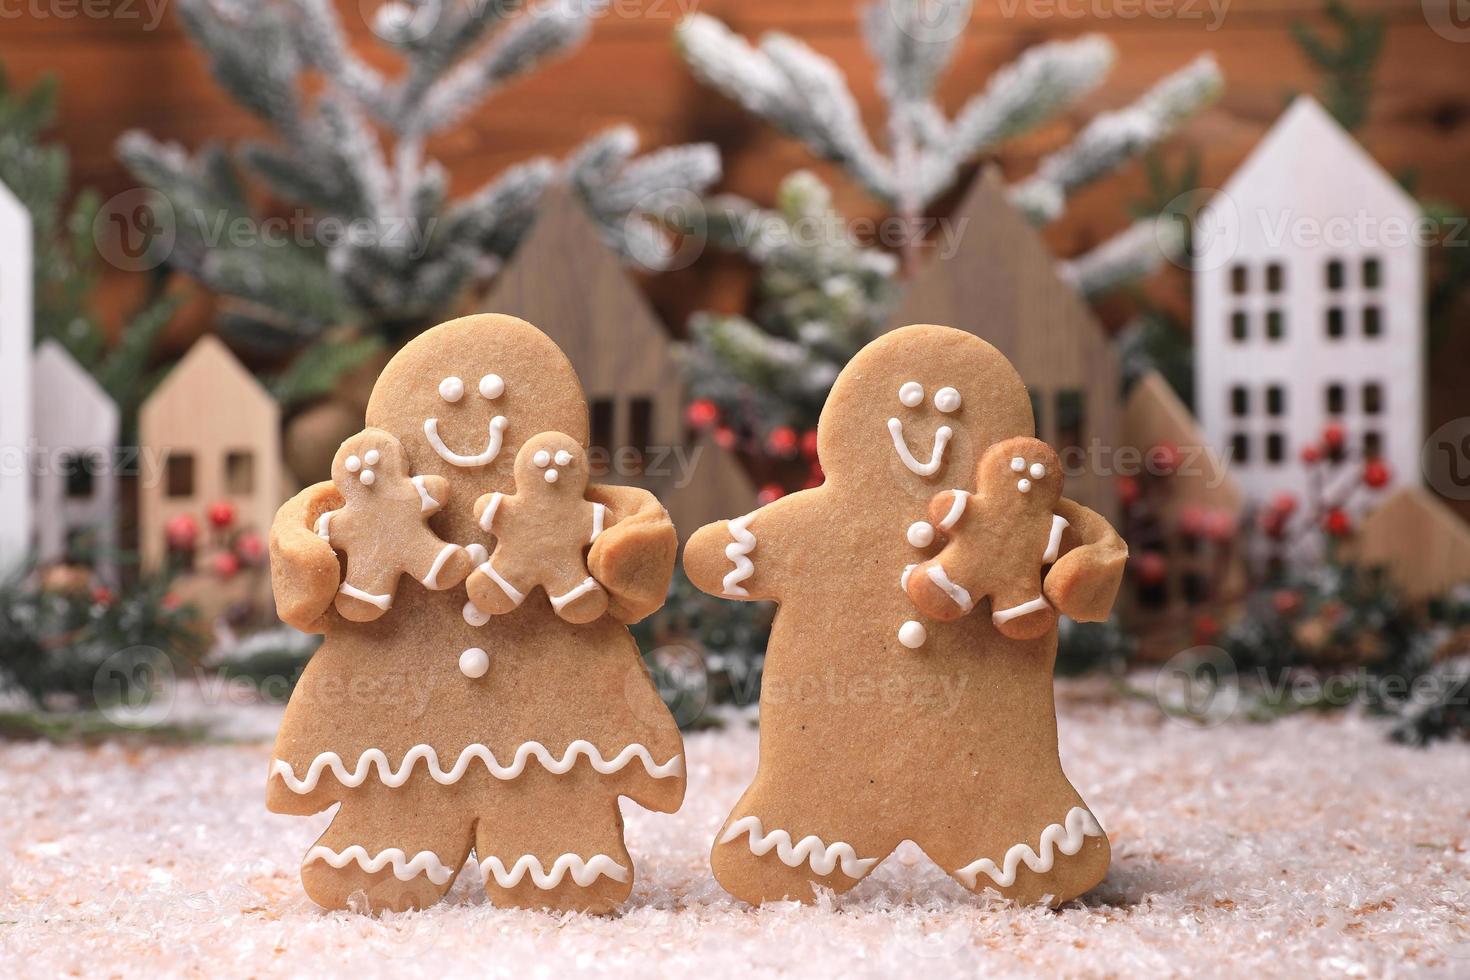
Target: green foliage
<point>1346,66</point>
<point>1087,647</point>
<point>1156,341</point>
<point>316,371</point>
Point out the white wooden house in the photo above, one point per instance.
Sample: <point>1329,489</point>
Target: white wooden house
<point>75,485</point>
<point>1309,308</point>
<point>15,370</point>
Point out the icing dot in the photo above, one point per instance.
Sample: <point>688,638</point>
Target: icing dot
<point>551,476</point>
<point>491,386</point>
<point>1023,485</point>
<point>921,534</point>
<point>542,459</point>
<point>1037,471</point>
<point>372,457</point>
<point>368,478</point>
<point>947,400</point>
<point>1018,464</point>
<point>451,389</point>
<point>353,464</point>
<point>474,662</point>
<point>911,393</point>
<point>474,616</point>
<point>563,457</point>
<point>912,634</point>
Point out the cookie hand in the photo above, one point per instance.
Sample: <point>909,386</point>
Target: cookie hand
<point>305,572</point>
<point>1085,579</point>
<point>633,557</point>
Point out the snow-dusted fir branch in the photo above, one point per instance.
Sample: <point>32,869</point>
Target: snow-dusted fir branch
<point>1128,256</point>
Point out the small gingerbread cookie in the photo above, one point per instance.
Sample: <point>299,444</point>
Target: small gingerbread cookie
<point>383,527</point>
<point>542,533</point>
<point>1001,537</point>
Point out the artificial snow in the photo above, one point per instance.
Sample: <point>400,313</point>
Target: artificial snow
<point>1312,846</point>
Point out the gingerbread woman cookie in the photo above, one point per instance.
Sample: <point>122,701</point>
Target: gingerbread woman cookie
<point>880,723</point>
<point>1001,537</point>
<point>383,528</point>
<point>440,731</point>
<point>541,534</point>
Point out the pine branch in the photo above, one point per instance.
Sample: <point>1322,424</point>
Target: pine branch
<point>316,371</point>
<point>1132,254</point>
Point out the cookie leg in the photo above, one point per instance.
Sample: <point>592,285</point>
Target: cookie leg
<point>1022,613</point>
<point>386,852</point>
<point>555,842</point>
<point>492,592</point>
<point>364,595</point>
<point>765,857</point>
<point>577,600</point>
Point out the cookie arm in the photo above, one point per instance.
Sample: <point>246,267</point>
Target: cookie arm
<point>633,556</point>
<point>305,572</point>
<point>744,558</point>
<point>1085,579</point>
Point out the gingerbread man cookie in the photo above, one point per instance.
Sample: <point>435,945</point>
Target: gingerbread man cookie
<point>383,528</point>
<point>542,532</point>
<point>439,731</point>
<point>1001,537</point>
<point>879,722</point>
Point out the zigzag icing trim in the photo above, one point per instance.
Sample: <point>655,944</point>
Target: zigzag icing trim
<point>1068,839</point>
<point>376,759</point>
<point>823,858</point>
<point>583,872</point>
<point>404,868</point>
<point>738,551</point>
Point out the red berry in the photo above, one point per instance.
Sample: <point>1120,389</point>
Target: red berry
<point>1273,523</point>
<point>1219,526</point>
<point>1333,436</point>
<point>1128,491</point>
<point>171,601</point>
<point>1150,568</point>
<point>1163,459</point>
<point>225,564</point>
<point>1311,454</point>
<point>221,514</point>
<point>1286,601</point>
<point>782,441</point>
<point>1337,523</point>
<point>1206,628</point>
<point>1375,474</point>
<point>725,437</point>
<point>102,595</point>
<point>181,531</point>
<point>809,444</point>
<point>1192,522</point>
<point>770,492</point>
<point>702,413</point>
<point>1284,503</point>
<point>250,548</point>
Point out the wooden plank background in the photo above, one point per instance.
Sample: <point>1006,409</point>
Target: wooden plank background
<point>119,75</point>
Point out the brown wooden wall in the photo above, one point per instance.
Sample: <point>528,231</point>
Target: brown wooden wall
<point>118,75</point>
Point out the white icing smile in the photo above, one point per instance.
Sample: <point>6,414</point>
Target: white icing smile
<point>936,459</point>
<point>497,436</point>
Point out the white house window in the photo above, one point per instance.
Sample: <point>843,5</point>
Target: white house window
<point>1336,275</point>
<point>1372,398</point>
<point>1275,448</point>
<point>1372,444</point>
<point>1336,323</point>
<point>1240,448</point>
<point>78,468</point>
<point>1239,279</point>
<point>1372,273</point>
<point>1275,401</point>
<point>1372,321</point>
<point>1240,401</point>
<point>1336,399</point>
<point>179,475</point>
<point>1275,277</point>
<point>1239,329</point>
<point>1275,324</point>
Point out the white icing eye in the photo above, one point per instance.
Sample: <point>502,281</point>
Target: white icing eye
<point>1023,485</point>
<point>353,464</point>
<point>551,476</point>
<point>451,389</point>
<point>491,386</point>
<point>372,457</point>
<point>1037,471</point>
<point>1018,464</point>
<point>912,634</point>
<point>911,393</point>
<point>921,534</point>
<point>542,459</point>
<point>563,458</point>
<point>368,478</point>
<point>474,663</point>
<point>947,400</point>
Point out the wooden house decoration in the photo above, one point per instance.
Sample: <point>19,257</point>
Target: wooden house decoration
<point>570,284</point>
<point>212,434</point>
<point>1309,308</point>
<point>76,426</point>
<point>1422,544</point>
<point>16,285</point>
<point>1002,284</point>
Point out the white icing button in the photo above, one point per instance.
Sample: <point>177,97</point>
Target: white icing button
<point>372,457</point>
<point>1017,464</point>
<point>474,662</point>
<point>542,459</point>
<point>368,477</point>
<point>491,386</point>
<point>353,464</point>
<point>911,394</point>
<point>947,400</point>
<point>1037,471</point>
<point>563,457</point>
<point>912,634</point>
<point>551,476</point>
<point>921,534</point>
<point>451,389</point>
<point>473,614</point>
<point>1023,485</point>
